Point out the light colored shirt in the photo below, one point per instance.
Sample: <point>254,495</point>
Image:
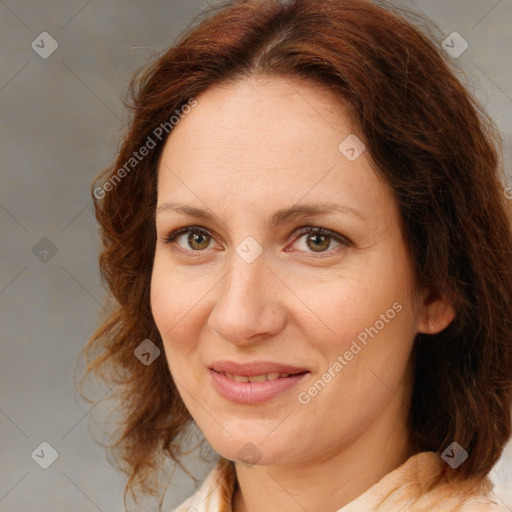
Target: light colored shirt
<point>420,484</point>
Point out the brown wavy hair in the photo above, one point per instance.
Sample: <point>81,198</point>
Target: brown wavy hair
<point>427,137</point>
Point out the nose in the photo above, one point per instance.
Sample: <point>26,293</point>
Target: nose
<point>247,309</point>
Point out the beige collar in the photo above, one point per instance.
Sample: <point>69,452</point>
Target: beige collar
<point>424,483</point>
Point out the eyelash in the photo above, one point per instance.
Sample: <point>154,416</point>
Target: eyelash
<point>343,241</point>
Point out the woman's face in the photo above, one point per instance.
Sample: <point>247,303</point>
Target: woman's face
<point>245,291</point>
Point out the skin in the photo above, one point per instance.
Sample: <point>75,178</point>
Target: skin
<point>248,149</point>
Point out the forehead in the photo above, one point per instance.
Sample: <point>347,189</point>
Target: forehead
<point>266,138</point>
<point>274,114</point>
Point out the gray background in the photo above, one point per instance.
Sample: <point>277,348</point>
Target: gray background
<point>61,120</point>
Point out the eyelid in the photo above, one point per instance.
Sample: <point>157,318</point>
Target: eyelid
<point>341,239</point>
<point>169,238</point>
<point>338,237</point>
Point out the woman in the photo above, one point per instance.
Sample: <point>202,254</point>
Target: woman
<point>306,226</point>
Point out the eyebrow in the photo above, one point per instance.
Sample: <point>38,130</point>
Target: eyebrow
<point>279,217</point>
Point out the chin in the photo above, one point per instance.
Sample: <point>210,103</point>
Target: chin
<point>252,450</point>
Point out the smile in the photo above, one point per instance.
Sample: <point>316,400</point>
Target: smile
<point>254,389</point>
<point>255,378</point>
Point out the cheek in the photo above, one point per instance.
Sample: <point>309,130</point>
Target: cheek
<point>163,301</point>
<point>171,305</point>
<point>368,321</point>
<point>367,367</point>
<point>341,308</point>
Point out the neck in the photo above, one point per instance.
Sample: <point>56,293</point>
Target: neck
<point>330,480</point>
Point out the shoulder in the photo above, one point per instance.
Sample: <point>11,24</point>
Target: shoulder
<point>424,484</point>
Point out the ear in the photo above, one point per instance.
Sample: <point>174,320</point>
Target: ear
<point>435,312</point>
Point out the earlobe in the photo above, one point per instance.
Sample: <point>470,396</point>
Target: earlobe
<point>436,313</point>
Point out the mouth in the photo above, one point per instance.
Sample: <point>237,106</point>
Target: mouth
<point>256,382</point>
<point>264,377</point>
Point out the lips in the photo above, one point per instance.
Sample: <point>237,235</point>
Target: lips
<point>255,382</point>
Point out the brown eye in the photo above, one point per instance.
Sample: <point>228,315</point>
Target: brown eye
<point>196,239</point>
<point>318,243</point>
<point>320,240</point>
